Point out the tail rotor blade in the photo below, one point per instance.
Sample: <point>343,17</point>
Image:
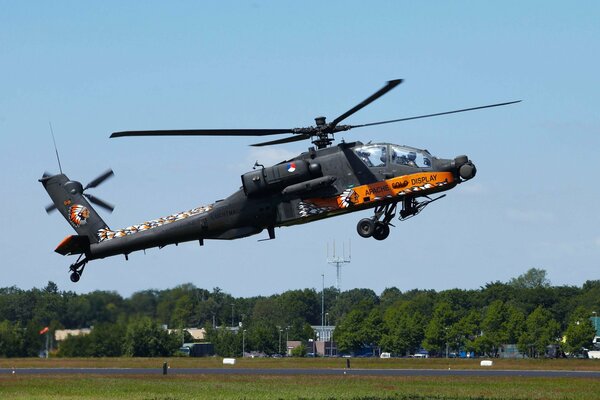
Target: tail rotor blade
<point>99,202</point>
<point>50,208</point>
<point>104,176</point>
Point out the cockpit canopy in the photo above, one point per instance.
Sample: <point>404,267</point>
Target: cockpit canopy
<point>383,154</point>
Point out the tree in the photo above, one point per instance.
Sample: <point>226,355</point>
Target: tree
<point>299,351</point>
<point>227,342</point>
<point>347,332</point>
<point>514,324</point>
<point>493,328</point>
<point>389,296</point>
<point>363,299</point>
<point>370,331</point>
<point>403,329</point>
<point>107,340</point>
<point>437,330</point>
<point>143,303</point>
<point>580,332</point>
<point>541,330</point>
<point>75,346</point>
<point>183,312</point>
<point>533,278</point>
<point>464,333</point>
<point>11,339</point>
<point>145,338</point>
<point>264,337</point>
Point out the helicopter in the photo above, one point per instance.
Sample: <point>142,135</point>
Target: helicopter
<point>325,181</point>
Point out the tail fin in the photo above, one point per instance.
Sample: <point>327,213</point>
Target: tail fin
<point>69,200</point>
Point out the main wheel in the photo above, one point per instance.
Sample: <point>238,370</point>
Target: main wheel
<point>75,277</point>
<point>365,227</point>
<point>381,231</point>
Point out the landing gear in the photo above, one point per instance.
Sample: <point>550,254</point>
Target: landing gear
<point>77,269</point>
<point>378,226</point>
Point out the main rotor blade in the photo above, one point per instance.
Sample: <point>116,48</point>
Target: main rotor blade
<point>104,176</point>
<point>99,202</point>
<point>203,132</point>
<point>436,114</point>
<point>389,86</point>
<point>288,139</point>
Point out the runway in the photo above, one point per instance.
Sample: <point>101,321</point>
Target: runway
<point>307,371</point>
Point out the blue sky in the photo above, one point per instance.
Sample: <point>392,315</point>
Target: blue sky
<point>95,68</point>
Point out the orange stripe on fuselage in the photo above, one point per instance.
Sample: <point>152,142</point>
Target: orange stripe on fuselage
<point>401,185</point>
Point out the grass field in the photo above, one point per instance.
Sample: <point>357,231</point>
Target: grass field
<point>217,362</point>
<point>159,387</point>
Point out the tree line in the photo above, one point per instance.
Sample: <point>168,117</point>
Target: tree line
<point>527,311</point>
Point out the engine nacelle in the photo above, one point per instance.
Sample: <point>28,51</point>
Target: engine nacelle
<point>275,178</point>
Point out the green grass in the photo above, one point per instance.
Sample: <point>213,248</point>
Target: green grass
<point>171,387</point>
<point>367,363</point>
<point>292,387</point>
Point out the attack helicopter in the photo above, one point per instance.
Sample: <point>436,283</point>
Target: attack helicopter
<point>325,181</point>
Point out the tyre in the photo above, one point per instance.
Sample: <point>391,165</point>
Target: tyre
<point>381,231</point>
<point>75,277</point>
<point>365,227</point>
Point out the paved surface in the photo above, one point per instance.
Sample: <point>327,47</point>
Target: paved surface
<point>298,371</point>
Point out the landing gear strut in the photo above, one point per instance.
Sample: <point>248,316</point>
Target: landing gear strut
<point>378,226</point>
<point>77,269</point>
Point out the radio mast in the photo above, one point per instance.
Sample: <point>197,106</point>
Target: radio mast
<point>338,261</point>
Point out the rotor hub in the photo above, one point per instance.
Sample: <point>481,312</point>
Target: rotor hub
<point>320,121</point>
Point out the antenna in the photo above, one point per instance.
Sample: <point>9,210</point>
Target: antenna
<point>338,261</point>
<point>55,148</point>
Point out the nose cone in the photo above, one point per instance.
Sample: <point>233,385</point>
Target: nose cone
<point>465,167</point>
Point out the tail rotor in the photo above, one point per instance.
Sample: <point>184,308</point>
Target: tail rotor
<point>74,187</point>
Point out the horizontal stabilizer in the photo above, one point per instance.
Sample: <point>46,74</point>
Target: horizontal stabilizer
<point>74,244</point>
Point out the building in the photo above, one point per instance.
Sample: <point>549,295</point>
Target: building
<point>62,334</point>
<point>196,333</point>
<point>324,345</point>
<point>596,323</point>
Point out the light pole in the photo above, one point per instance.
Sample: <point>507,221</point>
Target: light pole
<point>331,345</point>
<point>322,305</point>
<point>280,332</point>
<point>287,339</point>
<point>326,336</point>
<point>595,322</point>
<point>244,343</point>
<point>232,315</point>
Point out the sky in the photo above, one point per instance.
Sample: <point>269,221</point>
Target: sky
<point>92,68</point>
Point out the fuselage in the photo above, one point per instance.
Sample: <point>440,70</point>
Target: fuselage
<point>317,184</point>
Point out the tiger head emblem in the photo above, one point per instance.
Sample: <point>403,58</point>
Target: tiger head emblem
<point>78,214</point>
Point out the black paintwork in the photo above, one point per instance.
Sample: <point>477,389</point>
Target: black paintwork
<point>269,197</point>
<point>248,211</point>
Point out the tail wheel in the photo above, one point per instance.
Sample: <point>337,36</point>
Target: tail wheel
<point>365,227</point>
<point>75,276</point>
<point>381,231</point>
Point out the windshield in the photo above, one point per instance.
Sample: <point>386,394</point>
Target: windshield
<point>374,155</point>
<point>411,157</point>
